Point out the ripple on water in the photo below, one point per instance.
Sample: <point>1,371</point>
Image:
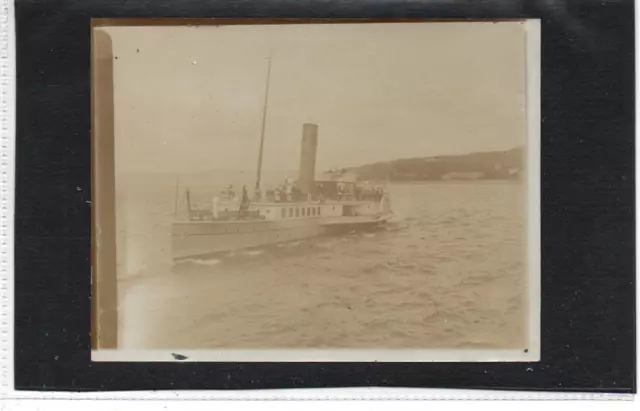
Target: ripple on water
<point>199,261</point>
<point>458,255</point>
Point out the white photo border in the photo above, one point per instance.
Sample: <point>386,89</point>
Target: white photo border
<point>529,353</point>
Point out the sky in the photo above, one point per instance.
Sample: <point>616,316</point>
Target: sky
<point>191,98</point>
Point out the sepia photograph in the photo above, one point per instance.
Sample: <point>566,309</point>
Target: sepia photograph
<point>357,191</point>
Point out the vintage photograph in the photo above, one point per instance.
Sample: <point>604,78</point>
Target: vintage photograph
<point>317,191</point>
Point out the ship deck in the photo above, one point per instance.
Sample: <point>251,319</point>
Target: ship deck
<point>302,203</point>
<point>341,220</point>
<point>220,222</point>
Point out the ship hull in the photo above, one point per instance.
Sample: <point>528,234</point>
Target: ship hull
<point>198,238</point>
<point>201,238</point>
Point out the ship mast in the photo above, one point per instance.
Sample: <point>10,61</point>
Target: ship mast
<point>264,121</point>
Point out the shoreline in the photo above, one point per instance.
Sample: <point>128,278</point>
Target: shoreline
<point>444,182</point>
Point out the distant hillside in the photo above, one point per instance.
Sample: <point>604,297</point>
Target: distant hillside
<point>493,165</point>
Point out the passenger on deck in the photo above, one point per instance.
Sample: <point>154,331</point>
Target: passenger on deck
<point>270,196</point>
<point>231,195</point>
<point>320,192</point>
<point>296,193</point>
<point>244,204</point>
<point>245,195</point>
<point>289,189</point>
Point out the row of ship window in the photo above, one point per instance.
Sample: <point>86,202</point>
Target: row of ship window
<point>290,212</point>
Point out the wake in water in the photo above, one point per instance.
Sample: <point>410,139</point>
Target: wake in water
<point>239,256</point>
<point>292,249</point>
<point>399,226</point>
<point>253,253</point>
<point>199,261</point>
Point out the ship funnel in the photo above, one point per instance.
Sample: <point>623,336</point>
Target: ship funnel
<point>306,179</point>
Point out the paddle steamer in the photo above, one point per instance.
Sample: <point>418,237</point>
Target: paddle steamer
<point>293,211</point>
